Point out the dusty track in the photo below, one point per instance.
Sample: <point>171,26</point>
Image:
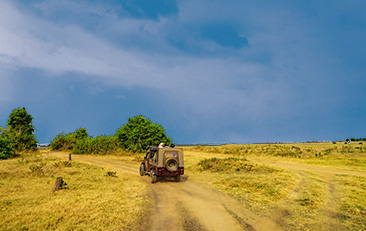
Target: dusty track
<point>187,205</point>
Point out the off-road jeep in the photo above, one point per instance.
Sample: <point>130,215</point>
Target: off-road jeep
<point>163,162</point>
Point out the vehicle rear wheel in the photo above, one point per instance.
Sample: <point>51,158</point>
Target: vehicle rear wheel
<point>142,170</point>
<point>154,178</point>
<point>177,178</point>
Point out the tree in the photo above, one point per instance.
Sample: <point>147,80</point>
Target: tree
<point>139,134</point>
<point>20,130</point>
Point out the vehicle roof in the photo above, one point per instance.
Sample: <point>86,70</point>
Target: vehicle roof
<point>165,148</point>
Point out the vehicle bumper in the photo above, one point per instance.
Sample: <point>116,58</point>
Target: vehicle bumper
<point>164,172</point>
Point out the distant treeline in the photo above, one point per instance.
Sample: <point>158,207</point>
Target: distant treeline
<point>356,139</point>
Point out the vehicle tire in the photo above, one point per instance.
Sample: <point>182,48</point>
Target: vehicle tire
<point>171,165</point>
<point>154,178</point>
<point>177,178</point>
<point>142,170</point>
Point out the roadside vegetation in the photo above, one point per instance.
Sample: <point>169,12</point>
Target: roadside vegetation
<point>91,200</point>
<point>136,136</point>
<point>79,142</point>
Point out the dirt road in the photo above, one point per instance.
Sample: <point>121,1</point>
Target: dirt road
<point>187,205</point>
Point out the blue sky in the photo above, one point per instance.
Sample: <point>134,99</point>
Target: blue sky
<point>207,71</point>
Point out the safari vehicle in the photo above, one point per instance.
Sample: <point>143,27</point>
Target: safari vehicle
<point>164,162</point>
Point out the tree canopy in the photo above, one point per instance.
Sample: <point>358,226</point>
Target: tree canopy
<point>139,134</point>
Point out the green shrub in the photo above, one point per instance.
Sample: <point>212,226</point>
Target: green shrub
<point>60,142</point>
<point>104,145</point>
<point>82,146</point>
<point>66,142</point>
<point>6,148</point>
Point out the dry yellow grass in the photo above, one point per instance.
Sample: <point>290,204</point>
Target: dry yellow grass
<point>92,201</point>
<point>261,188</point>
<point>353,201</point>
<point>319,187</point>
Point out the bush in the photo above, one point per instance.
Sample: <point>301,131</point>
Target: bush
<point>82,146</point>
<point>104,145</point>
<point>99,145</point>
<point>66,142</point>
<point>78,142</point>
<point>60,142</point>
<point>6,148</point>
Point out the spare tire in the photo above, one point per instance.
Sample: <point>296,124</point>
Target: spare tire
<point>171,165</point>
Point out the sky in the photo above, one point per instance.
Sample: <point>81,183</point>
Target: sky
<point>208,71</point>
